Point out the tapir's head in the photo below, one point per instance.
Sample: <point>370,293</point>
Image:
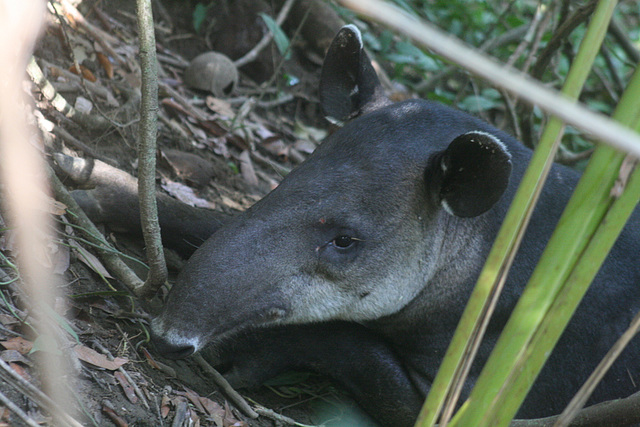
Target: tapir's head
<point>353,233</point>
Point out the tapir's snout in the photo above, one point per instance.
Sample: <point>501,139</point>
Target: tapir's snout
<point>171,344</point>
<point>172,350</point>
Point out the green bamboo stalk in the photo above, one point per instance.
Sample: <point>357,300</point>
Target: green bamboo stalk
<point>557,284</point>
<point>530,333</point>
<point>599,247</point>
<point>475,317</point>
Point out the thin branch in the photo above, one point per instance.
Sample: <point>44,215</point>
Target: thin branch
<point>540,15</point>
<point>147,152</point>
<point>23,386</point>
<point>620,412</point>
<point>578,16</point>
<point>581,397</point>
<point>61,104</point>
<point>266,39</point>
<point>622,37</point>
<point>75,142</point>
<point>503,39</point>
<point>225,386</point>
<point>106,252</point>
<point>16,410</point>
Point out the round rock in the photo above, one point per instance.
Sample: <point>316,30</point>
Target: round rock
<point>213,72</point>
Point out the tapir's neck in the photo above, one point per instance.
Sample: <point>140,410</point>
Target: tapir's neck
<point>462,245</point>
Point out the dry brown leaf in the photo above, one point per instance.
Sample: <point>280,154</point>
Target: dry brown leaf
<point>166,369</point>
<point>59,258</point>
<point>11,356</point>
<point>128,388</point>
<point>18,344</point>
<point>91,261</point>
<point>106,64</point>
<point>115,418</point>
<point>213,408</point>
<point>8,321</point>
<point>188,166</point>
<point>8,240</point>
<point>164,406</point>
<point>84,72</point>
<point>18,369</point>
<point>100,360</point>
<point>186,195</point>
<point>195,399</point>
<point>246,168</point>
<point>56,207</point>
<point>4,415</point>
<point>220,106</point>
<point>229,419</point>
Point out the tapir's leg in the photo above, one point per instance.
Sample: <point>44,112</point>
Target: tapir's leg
<point>113,200</point>
<point>348,353</point>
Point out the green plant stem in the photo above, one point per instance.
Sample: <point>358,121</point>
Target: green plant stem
<point>593,256</point>
<point>457,362</point>
<point>557,284</point>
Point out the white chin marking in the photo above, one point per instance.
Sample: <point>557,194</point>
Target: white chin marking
<point>173,336</point>
<point>177,339</point>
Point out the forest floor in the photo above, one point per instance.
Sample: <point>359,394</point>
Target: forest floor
<point>220,152</point>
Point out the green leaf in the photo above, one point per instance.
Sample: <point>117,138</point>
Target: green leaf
<point>476,103</point>
<point>281,39</point>
<point>408,54</point>
<point>64,324</point>
<point>200,14</point>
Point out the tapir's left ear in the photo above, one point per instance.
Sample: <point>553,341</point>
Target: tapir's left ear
<point>349,86</point>
<point>473,173</point>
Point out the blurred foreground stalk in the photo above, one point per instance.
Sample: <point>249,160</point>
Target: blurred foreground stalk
<point>25,189</point>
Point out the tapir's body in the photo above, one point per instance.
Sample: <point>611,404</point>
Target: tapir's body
<point>360,263</point>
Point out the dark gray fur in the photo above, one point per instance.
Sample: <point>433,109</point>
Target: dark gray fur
<point>271,290</point>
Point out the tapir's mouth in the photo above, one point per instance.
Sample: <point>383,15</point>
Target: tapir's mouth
<point>173,344</point>
<point>264,318</point>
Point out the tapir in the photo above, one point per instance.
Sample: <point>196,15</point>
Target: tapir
<point>359,264</point>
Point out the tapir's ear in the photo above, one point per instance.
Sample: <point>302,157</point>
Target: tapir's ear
<point>473,173</point>
<point>349,85</point>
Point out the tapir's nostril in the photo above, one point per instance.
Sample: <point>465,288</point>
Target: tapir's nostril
<point>173,350</point>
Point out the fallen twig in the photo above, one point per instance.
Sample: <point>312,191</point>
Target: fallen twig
<point>16,410</point>
<point>58,101</point>
<point>620,412</point>
<point>221,382</point>
<point>136,389</point>
<point>11,377</point>
<point>270,413</point>
<point>76,143</point>
<point>110,259</point>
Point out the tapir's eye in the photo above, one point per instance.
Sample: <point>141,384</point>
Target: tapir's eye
<point>343,241</point>
<point>340,246</point>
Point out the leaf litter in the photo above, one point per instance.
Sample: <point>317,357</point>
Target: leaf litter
<point>247,141</point>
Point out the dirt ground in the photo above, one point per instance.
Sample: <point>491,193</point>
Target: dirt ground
<point>222,152</point>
